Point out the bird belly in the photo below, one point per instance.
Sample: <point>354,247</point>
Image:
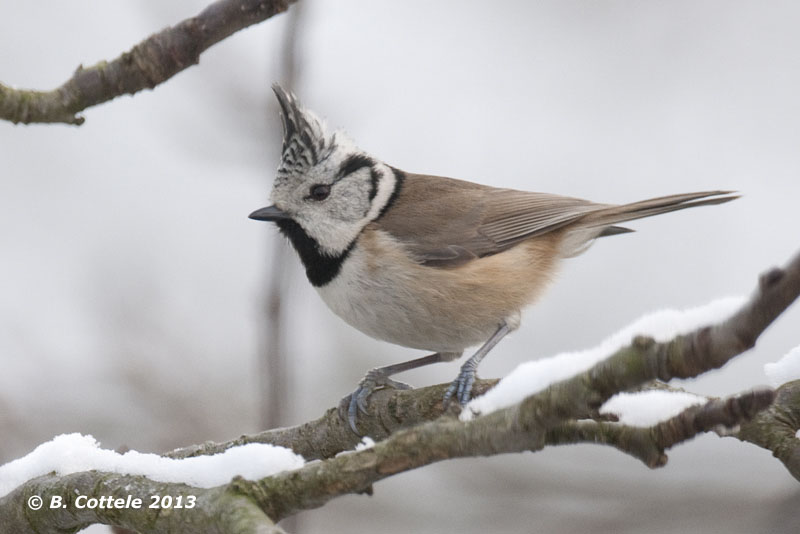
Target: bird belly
<point>382,292</point>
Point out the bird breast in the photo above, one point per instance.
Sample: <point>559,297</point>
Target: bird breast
<point>383,292</point>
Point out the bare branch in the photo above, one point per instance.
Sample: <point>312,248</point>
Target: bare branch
<point>149,63</point>
<point>391,410</point>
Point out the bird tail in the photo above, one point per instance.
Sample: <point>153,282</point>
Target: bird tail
<point>602,222</point>
<point>611,215</point>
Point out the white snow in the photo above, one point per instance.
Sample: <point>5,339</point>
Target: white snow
<point>366,443</point>
<point>72,453</point>
<point>533,376</point>
<point>784,370</point>
<point>646,408</point>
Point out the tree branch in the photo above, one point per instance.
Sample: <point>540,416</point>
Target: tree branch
<point>776,428</point>
<point>215,510</point>
<point>530,424</point>
<point>576,398</point>
<point>244,506</point>
<point>149,63</point>
<point>390,410</point>
<point>549,417</point>
<point>649,443</point>
<point>503,431</point>
<point>684,356</point>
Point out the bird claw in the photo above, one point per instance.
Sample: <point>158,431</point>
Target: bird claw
<point>461,387</point>
<point>356,402</point>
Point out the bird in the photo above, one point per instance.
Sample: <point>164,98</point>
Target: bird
<point>427,262</point>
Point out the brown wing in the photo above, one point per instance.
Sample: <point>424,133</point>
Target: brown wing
<point>445,222</point>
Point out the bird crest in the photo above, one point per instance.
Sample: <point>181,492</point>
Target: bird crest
<point>306,142</point>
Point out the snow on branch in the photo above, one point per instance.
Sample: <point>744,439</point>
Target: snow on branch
<point>146,65</point>
<point>784,370</point>
<point>413,431</point>
<point>73,453</point>
<point>533,376</point>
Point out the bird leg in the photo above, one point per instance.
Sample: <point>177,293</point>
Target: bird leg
<point>378,378</point>
<point>461,387</point>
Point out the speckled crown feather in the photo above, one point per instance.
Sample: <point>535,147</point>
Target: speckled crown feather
<point>305,140</point>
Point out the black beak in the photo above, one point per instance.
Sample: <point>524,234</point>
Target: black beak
<point>270,213</point>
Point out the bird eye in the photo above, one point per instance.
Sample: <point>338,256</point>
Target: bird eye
<point>319,192</point>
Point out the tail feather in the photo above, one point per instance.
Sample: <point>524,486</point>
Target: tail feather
<point>655,206</point>
<point>614,230</point>
<point>602,222</point>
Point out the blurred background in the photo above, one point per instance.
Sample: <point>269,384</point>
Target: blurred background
<point>140,305</point>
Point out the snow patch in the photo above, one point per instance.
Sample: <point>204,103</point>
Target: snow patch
<point>646,408</point>
<point>366,443</point>
<point>533,376</point>
<point>784,370</point>
<point>73,453</point>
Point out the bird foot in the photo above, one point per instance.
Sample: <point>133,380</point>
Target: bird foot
<point>461,387</point>
<point>356,402</point>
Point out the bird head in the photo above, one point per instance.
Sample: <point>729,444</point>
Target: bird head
<point>324,183</point>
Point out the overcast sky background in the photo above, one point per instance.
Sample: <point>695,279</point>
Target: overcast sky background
<point>132,280</point>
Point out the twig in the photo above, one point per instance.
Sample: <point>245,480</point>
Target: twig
<point>649,443</point>
<point>274,363</point>
<point>149,63</point>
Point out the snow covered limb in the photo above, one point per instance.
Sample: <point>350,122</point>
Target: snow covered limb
<point>413,431</point>
<point>774,425</point>
<point>630,366</point>
<point>251,506</point>
<point>508,430</point>
<point>550,416</point>
<point>649,443</point>
<point>687,355</point>
<point>149,63</point>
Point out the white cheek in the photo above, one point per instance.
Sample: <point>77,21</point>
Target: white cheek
<point>333,238</point>
<point>334,235</point>
<point>348,203</point>
<point>386,186</point>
